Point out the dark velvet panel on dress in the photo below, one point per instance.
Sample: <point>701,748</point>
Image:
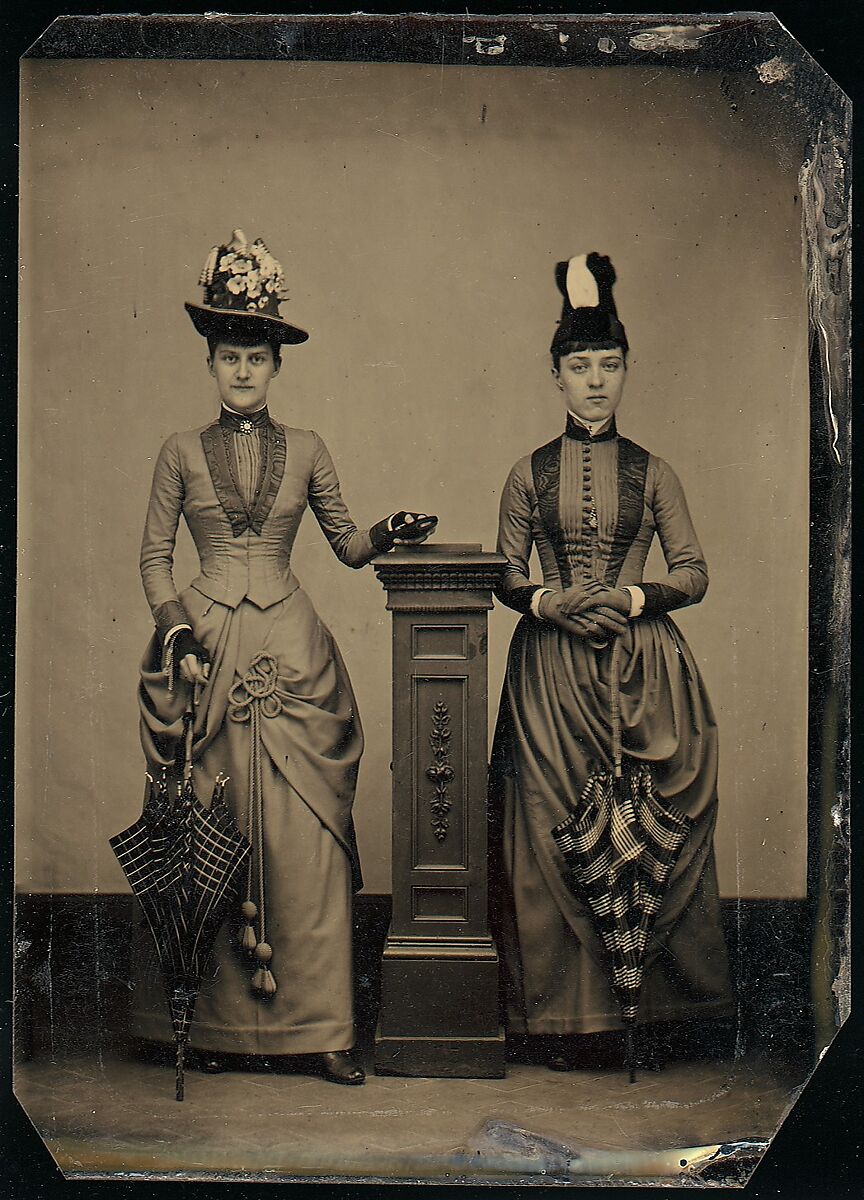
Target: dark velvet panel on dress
<point>167,615</point>
<point>660,599</point>
<point>217,448</point>
<point>546,469</point>
<point>632,468</point>
<point>274,469</point>
<point>219,465</point>
<point>520,598</point>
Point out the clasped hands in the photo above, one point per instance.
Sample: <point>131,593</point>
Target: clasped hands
<point>589,610</point>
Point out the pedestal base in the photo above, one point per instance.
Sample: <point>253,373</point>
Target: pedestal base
<point>439,1009</point>
<point>440,1057</point>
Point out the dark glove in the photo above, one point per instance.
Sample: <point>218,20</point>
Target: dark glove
<point>409,527</point>
<point>184,643</point>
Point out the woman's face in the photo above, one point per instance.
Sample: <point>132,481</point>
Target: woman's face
<point>243,374</point>
<point>592,382</point>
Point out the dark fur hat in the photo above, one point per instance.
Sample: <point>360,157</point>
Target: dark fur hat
<point>589,313</point>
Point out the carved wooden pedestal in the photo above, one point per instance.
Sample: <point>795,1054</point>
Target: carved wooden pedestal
<point>439,986</point>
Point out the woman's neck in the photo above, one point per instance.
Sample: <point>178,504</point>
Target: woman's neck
<point>248,412</point>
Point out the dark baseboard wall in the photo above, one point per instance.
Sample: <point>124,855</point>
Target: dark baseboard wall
<point>73,979</point>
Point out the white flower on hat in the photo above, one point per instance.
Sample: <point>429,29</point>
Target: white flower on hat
<point>245,270</point>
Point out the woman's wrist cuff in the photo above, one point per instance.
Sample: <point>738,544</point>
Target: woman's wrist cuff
<point>637,600</point>
<point>535,602</point>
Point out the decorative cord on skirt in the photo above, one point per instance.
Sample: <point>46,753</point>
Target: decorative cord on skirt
<point>254,696</point>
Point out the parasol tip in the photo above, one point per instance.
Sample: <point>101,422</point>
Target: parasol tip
<point>180,1081</point>
<point>631,1051</point>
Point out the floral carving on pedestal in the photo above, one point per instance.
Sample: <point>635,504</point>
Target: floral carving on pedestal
<point>440,773</point>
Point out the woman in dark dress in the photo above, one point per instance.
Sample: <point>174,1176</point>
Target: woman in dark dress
<point>276,712</point>
<point>591,502</point>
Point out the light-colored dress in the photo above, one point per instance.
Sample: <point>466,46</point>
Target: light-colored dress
<point>592,507</point>
<point>243,496</point>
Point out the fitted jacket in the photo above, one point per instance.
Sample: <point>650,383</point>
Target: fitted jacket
<point>592,507</point>
<point>244,553</point>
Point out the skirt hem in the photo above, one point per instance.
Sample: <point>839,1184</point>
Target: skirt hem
<point>311,1039</point>
<point>604,1023</point>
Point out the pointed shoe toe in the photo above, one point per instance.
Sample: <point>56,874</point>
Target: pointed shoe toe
<point>337,1066</point>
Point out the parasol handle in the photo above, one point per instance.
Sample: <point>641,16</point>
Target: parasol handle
<point>192,696</point>
<point>615,705</point>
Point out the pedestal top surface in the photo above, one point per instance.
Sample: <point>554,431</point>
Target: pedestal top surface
<point>432,554</point>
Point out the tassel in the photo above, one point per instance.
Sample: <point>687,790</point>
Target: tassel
<point>262,980</point>
<point>248,940</point>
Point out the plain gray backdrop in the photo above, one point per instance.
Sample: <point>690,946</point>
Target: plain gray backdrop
<point>418,213</point>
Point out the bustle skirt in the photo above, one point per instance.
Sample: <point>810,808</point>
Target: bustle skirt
<point>554,730</point>
<point>310,746</point>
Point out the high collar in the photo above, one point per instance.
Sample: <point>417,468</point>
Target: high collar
<point>243,422</point>
<point>581,433</point>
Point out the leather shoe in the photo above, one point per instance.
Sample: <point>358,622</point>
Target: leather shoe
<point>337,1066</point>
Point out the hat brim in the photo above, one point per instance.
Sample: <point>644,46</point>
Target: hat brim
<point>223,322</point>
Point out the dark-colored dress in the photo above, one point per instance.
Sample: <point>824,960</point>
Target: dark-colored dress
<point>592,507</point>
<point>243,496</point>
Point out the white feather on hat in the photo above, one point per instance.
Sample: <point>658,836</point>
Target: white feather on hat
<point>581,285</point>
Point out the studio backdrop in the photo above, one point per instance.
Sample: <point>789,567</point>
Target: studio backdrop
<point>418,213</point>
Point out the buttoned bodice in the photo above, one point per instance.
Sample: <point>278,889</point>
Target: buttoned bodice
<point>592,507</point>
<point>244,547</point>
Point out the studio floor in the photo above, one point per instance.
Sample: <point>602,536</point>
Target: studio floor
<point>115,1115</point>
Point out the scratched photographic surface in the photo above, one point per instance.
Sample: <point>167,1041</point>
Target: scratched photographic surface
<point>418,178</point>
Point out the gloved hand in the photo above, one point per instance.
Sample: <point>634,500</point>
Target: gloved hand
<point>579,597</point>
<point>193,661</point>
<point>618,599</point>
<point>402,529</point>
<point>597,624</point>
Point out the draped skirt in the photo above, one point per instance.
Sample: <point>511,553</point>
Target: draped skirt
<point>309,746</point>
<point>554,730</point>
